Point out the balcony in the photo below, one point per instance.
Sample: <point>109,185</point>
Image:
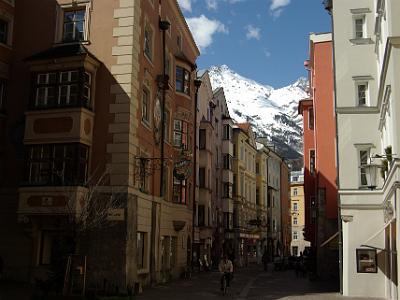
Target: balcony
<point>66,125</point>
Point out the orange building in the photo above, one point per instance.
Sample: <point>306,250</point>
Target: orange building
<point>91,87</point>
<point>319,155</point>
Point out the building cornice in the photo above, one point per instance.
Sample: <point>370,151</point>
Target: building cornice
<point>353,110</point>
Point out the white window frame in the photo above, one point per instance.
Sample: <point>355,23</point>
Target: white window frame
<point>360,168</point>
<point>80,4</point>
<point>146,121</point>
<point>295,235</point>
<point>295,206</point>
<point>364,26</point>
<point>295,220</point>
<point>358,84</point>
<point>150,55</point>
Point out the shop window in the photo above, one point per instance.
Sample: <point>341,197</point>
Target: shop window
<point>366,261</point>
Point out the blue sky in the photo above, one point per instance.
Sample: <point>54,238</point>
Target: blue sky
<point>265,40</point>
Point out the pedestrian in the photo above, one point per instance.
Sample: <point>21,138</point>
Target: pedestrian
<point>265,260</point>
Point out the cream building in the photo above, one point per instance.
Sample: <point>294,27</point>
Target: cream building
<point>297,211</point>
<point>247,236</point>
<point>367,57</point>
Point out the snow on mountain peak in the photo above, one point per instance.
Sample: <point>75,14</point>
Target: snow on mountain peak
<point>272,112</point>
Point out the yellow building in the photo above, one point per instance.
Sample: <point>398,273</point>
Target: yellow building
<point>247,235</point>
<point>298,214</point>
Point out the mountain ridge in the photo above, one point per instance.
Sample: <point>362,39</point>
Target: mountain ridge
<point>272,112</point>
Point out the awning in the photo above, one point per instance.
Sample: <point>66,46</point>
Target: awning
<point>330,239</point>
<point>376,234</point>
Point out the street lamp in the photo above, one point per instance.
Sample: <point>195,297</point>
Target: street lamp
<point>370,174</point>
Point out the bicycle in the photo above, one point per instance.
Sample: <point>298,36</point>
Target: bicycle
<point>224,283</point>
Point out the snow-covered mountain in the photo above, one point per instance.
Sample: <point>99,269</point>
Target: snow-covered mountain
<point>272,112</point>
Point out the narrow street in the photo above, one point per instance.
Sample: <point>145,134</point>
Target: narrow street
<point>249,283</point>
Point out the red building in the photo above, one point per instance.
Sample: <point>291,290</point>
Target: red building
<point>319,124</point>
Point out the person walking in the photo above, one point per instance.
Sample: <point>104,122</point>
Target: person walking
<point>264,260</point>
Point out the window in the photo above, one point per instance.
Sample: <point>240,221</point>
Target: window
<point>227,190</point>
<point>295,206</point>
<point>148,42</point>
<point>144,177</point>
<point>227,132</point>
<point>274,225</point>
<point>295,192</point>
<point>62,89</point>
<point>202,177</point>
<point>257,168</point>
<point>141,247</point>
<point>311,118</point>
<point>57,164</point>
<point>182,80</point>
<point>227,162</point>
<point>146,106</point>
<point>234,187</point>
<point>312,162</point>
<point>4,32</point>
<point>359,31</point>
<point>295,236</point>
<point>74,25</point>
<point>202,139</point>
<point>362,92</point>
<point>201,216</point>
<point>180,191</point>
<point>3,94</point>
<point>363,157</point>
<point>295,250</point>
<point>180,134</point>
<point>294,220</point>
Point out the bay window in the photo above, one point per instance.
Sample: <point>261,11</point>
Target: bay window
<point>69,88</point>
<point>57,164</point>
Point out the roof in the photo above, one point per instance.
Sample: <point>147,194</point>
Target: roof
<point>302,104</point>
<point>244,126</point>
<point>182,57</point>
<point>62,51</point>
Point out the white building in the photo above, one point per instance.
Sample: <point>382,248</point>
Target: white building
<point>367,60</point>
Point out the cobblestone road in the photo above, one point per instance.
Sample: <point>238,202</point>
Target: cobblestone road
<point>251,283</point>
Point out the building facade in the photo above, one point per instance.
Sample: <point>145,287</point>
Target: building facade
<point>246,235</point>
<point>366,43</point>
<point>320,173</point>
<point>99,107</point>
<point>215,175</point>
<point>285,208</point>
<point>297,210</point>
